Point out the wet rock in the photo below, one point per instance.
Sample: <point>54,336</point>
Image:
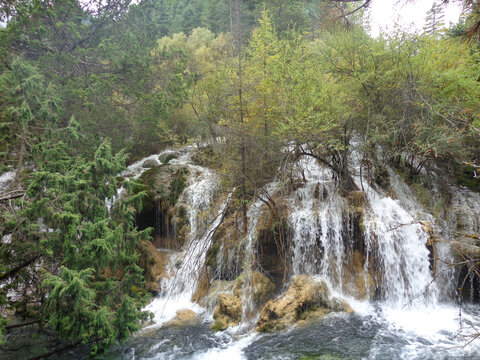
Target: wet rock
<point>262,287</point>
<point>203,286</point>
<point>165,157</point>
<point>228,311</point>
<point>164,185</point>
<point>153,263</point>
<point>357,282</point>
<point>184,317</point>
<point>274,241</point>
<point>305,296</point>
<point>150,163</point>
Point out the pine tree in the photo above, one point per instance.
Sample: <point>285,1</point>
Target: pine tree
<point>434,20</point>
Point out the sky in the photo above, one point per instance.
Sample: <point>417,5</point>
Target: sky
<point>384,13</point>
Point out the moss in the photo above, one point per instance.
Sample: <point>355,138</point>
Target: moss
<point>169,157</point>
<point>177,185</point>
<point>181,212</point>
<point>267,328</point>
<point>218,325</point>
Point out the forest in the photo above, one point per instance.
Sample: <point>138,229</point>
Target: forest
<point>88,87</point>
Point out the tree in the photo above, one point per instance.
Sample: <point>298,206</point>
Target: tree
<point>434,19</point>
<point>30,111</point>
<point>71,254</point>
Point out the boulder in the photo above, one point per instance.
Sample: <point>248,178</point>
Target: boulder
<point>228,311</point>
<point>262,287</point>
<point>184,317</point>
<point>306,298</point>
<point>165,157</point>
<point>150,163</point>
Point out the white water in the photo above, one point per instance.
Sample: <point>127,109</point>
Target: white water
<point>317,224</point>
<point>185,267</point>
<point>232,351</point>
<point>253,217</point>
<point>395,241</point>
<point>413,321</point>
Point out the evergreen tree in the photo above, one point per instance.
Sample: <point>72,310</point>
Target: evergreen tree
<point>83,254</point>
<point>434,20</point>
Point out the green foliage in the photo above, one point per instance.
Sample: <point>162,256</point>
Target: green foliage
<point>413,95</point>
<point>66,223</point>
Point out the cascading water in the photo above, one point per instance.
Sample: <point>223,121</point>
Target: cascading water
<point>401,250</point>
<point>185,267</point>
<point>253,217</point>
<point>317,223</point>
<point>410,317</point>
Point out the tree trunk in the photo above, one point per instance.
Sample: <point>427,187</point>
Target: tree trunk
<point>237,33</point>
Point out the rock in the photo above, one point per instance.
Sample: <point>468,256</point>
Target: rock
<point>153,262</point>
<point>184,317</point>
<point>262,287</point>
<point>150,163</point>
<point>304,297</point>
<point>164,185</point>
<point>467,246</point>
<point>228,311</point>
<point>165,157</point>
<point>203,286</point>
<point>356,282</point>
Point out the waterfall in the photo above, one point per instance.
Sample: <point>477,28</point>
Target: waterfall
<point>394,242</point>
<point>402,252</point>
<point>369,247</point>
<point>248,264</point>
<point>185,267</point>
<point>317,222</point>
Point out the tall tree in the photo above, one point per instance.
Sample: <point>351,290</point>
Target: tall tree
<point>434,19</point>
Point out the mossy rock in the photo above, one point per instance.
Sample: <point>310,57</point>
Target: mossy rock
<point>150,163</point>
<point>219,325</point>
<point>212,255</point>
<point>165,184</point>
<point>305,298</point>
<point>166,157</point>
<point>262,287</point>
